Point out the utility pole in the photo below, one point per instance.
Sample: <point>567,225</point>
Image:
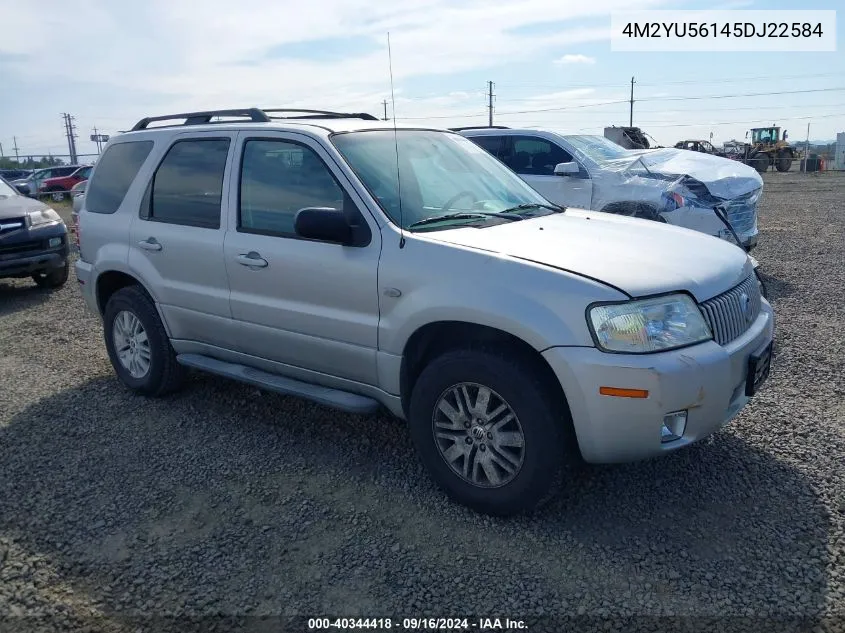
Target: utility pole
<point>807,148</point>
<point>97,141</point>
<point>631,115</point>
<point>1,151</point>
<point>66,117</point>
<point>73,157</point>
<point>71,137</point>
<point>384,103</point>
<point>15,147</point>
<point>490,96</point>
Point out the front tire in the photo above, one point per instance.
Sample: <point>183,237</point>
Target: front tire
<point>137,344</point>
<point>760,162</point>
<point>54,279</point>
<point>490,430</point>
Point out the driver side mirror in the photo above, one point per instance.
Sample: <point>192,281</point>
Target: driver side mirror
<point>785,135</point>
<point>324,224</point>
<point>22,189</point>
<point>566,169</point>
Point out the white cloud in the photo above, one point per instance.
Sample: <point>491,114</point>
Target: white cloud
<point>576,59</point>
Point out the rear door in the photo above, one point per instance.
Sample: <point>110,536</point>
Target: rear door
<point>176,238</point>
<point>308,304</point>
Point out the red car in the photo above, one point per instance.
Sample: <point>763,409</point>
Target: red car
<point>59,188</point>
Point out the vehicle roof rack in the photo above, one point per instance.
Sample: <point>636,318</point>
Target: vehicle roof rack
<point>480,127</point>
<point>319,114</point>
<point>255,115</point>
<point>199,118</point>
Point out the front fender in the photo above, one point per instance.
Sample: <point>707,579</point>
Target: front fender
<point>540,305</point>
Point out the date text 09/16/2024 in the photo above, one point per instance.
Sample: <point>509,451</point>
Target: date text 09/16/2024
<point>418,624</point>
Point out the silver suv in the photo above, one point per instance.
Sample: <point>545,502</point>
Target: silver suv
<point>333,257</point>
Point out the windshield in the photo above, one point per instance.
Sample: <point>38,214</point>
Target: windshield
<point>439,173</point>
<point>597,148</point>
<point>6,190</point>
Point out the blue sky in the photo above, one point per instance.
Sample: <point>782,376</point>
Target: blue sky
<point>123,61</point>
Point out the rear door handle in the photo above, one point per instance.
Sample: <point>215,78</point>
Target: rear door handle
<point>150,244</point>
<point>251,259</point>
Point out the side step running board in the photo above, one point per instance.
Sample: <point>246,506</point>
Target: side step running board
<point>343,400</point>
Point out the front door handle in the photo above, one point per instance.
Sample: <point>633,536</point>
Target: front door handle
<point>150,244</point>
<point>251,259</point>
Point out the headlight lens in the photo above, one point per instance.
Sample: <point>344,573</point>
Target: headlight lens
<point>649,325</point>
<point>43,216</point>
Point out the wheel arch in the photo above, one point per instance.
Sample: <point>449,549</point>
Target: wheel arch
<point>433,339</point>
<point>110,281</point>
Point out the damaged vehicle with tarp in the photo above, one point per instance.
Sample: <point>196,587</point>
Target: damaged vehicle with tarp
<point>697,191</point>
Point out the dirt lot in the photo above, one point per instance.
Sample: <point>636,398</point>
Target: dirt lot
<point>226,500</point>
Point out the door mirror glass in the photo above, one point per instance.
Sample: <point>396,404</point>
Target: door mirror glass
<point>324,224</point>
<point>566,169</point>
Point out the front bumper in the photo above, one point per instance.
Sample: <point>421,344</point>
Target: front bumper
<point>706,380</point>
<point>85,276</point>
<point>27,252</point>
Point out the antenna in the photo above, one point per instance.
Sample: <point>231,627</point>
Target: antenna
<point>396,145</point>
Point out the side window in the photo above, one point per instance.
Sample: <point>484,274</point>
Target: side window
<point>492,144</point>
<point>116,170</point>
<point>187,187</point>
<point>278,178</point>
<point>536,156</point>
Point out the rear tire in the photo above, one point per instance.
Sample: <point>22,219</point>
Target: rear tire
<point>784,161</point>
<point>54,279</point>
<point>138,346</point>
<point>487,462</point>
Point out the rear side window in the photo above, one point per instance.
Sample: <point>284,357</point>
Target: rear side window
<point>188,185</point>
<point>116,170</point>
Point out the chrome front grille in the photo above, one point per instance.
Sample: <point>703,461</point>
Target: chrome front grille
<point>7,225</point>
<point>730,314</point>
<point>742,212</point>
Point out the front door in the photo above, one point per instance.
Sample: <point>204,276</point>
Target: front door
<point>534,159</point>
<point>308,304</point>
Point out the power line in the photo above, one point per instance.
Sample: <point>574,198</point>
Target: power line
<point>702,82</point>
<point>746,94</point>
<point>794,118</point>
<point>606,103</point>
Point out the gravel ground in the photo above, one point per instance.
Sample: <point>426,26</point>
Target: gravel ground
<point>226,500</point>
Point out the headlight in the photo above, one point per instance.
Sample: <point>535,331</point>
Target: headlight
<point>43,216</point>
<point>648,325</point>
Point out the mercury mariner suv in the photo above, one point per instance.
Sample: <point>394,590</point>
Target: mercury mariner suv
<point>334,257</point>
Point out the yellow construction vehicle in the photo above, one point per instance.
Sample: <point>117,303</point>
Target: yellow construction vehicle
<point>768,148</point>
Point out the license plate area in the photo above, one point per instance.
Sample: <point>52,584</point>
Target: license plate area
<point>759,366</point>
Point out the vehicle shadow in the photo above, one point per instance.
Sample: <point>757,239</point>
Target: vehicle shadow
<point>776,288</point>
<point>16,296</point>
<point>211,500</point>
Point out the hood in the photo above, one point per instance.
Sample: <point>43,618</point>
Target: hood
<point>17,206</point>
<point>639,257</point>
<point>724,178</point>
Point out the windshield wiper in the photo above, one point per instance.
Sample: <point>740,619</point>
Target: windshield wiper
<point>535,205</point>
<point>464,215</point>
